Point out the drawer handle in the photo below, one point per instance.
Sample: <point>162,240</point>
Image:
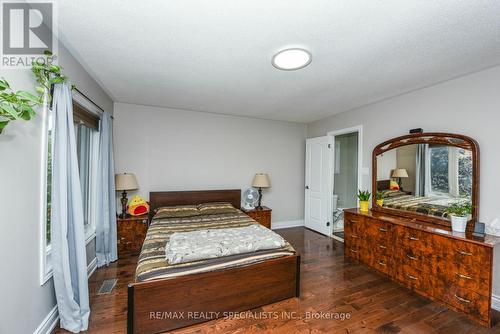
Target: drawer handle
<point>355,236</point>
<point>412,277</point>
<point>413,238</point>
<point>411,257</point>
<point>382,263</point>
<point>354,251</point>
<point>353,221</point>
<point>462,299</point>
<point>461,252</point>
<point>382,246</point>
<point>381,229</point>
<point>463,276</point>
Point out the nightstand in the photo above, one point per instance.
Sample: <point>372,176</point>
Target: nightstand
<point>131,233</point>
<point>262,216</point>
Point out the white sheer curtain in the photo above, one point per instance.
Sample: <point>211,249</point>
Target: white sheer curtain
<point>67,229</point>
<point>106,250</point>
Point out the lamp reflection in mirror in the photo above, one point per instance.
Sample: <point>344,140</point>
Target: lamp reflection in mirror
<point>399,173</point>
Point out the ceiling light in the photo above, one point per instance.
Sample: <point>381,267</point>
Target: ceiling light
<point>291,59</point>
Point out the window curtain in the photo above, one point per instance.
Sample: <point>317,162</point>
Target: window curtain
<point>68,234</point>
<point>106,249</point>
<point>83,134</point>
<point>420,188</point>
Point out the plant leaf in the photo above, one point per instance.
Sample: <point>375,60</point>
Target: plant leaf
<point>29,97</point>
<point>9,110</point>
<point>3,124</point>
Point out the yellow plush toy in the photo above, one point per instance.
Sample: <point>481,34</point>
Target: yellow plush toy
<point>138,206</point>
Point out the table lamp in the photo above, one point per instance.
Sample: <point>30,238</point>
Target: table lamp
<point>124,182</point>
<point>261,180</point>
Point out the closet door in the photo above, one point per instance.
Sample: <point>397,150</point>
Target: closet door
<point>318,184</point>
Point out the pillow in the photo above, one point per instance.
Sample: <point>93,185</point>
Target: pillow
<point>216,208</point>
<point>394,185</point>
<point>176,211</point>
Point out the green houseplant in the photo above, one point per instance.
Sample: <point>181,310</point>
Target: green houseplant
<point>380,195</point>
<point>364,198</point>
<point>20,105</point>
<point>459,213</point>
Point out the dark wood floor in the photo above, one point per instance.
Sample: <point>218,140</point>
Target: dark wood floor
<point>330,285</point>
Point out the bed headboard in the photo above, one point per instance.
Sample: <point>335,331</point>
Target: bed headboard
<point>383,185</point>
<point>168,198</point>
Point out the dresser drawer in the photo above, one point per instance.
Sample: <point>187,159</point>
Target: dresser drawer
<point>473,277</point>
<point>379,230</point>
<point>414,239</point>
<point>382,263</point>
<point>416,258</point>
<point>461,252</point>
<point>354,224</point>
<point>413,278</point>
<point>466,300</point>
<point>354,251</point>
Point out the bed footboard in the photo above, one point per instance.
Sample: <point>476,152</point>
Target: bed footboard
<point>167,304</point>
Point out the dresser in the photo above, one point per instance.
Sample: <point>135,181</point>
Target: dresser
<point>452,268</point>
<point>262,216</point>
<point>131,233</point>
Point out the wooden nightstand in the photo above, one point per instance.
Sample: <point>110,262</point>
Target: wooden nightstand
<point>262,216</point>
<point>131,233</point>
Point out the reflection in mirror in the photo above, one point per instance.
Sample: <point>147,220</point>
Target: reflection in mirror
<point>424,178</point>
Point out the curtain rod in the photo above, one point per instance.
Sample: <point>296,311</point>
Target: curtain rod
<point>88,99</point>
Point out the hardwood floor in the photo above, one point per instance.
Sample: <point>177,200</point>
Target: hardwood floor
<point>331,286</point>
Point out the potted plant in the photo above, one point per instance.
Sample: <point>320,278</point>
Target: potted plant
<point>364,198</point>
<point>459,213</point>
<point>380,195</point>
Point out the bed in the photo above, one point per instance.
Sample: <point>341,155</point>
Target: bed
<point>165,297</point>
<point>433,206</point>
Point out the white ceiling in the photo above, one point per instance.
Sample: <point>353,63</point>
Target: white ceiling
<point>215,56</point>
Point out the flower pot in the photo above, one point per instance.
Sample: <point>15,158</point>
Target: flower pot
<point>380,202</point>
<point>458,224</point>
<point>364,206</point>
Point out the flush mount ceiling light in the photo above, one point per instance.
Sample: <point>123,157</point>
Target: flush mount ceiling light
<point>291,59</point>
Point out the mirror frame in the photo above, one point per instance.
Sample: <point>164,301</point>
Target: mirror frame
<point>430,138</point>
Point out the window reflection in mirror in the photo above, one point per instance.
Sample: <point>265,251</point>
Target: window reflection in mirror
<point>425,178</point>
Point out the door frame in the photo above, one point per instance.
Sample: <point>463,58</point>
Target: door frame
<point>333,134</point>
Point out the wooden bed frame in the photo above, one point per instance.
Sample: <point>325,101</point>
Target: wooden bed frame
<point>166,304</point>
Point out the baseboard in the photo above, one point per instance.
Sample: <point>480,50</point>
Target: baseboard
<point>287,224</point>
<point>92,267</point>
<point>495,302</point>
<point>49,323</point>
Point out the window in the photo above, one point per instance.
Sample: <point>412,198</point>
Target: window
<point>47,144</point>
<point>87,140</point>
<point>450,171</point>
<point>439,169</point>
<point>87,143</point>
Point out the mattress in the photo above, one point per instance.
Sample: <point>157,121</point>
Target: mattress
<point>152,263</point>
<point>433,206</point>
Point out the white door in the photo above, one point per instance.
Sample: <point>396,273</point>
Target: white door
<point>318,184</point>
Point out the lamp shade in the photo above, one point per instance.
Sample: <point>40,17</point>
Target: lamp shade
<point>399,172</point>
<point>261,180</point>
<point>126,181</point>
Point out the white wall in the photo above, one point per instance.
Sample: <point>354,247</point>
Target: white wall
<point>172,149</point>
<point>468,105</point>
<point>24,303</point>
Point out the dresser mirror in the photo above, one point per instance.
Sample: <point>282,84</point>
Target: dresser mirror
<point>422,175</point>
